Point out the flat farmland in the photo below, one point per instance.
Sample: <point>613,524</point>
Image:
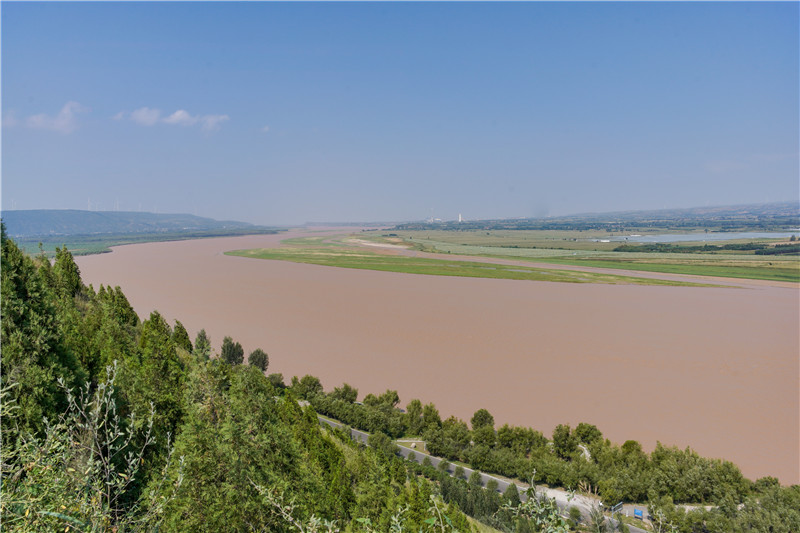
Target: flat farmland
<point>714,368</point>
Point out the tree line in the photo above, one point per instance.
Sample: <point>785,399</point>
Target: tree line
<point>578,458</point>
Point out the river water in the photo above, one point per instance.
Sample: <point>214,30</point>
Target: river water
<point>712,368</point>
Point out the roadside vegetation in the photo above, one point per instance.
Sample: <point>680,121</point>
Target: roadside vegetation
<point>111,423</point>
<point>575,459</point>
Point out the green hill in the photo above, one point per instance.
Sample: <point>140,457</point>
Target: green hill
<point>89,232</point>
<point>26,224</point>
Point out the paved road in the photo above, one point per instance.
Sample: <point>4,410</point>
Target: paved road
<point>561,497</point>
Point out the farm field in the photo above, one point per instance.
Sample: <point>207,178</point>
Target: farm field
<point>578,248</point>
<point>714,368</point>
<point>315,252</point>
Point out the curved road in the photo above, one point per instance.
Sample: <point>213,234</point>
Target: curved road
<point>561,497</point>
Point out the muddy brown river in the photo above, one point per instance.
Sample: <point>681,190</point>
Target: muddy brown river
<point>717,369</point>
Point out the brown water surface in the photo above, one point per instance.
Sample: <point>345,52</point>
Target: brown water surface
<point>717,369</point>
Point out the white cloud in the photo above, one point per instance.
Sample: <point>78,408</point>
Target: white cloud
<point>265,129</point>
<point>212,122</point>
<point>181,117</point>
<point>146,116</point>
<point>64,122</point>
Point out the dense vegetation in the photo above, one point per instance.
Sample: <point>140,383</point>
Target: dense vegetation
<point>579,458</point>
<point>111,423</point>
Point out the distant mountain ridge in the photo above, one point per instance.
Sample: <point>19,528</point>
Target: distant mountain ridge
<point>67,222</point>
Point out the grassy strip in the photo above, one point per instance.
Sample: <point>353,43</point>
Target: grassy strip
<point>729,266</point>
<point>98,244</point>
<point>352,258</point>
<point>790,273</point>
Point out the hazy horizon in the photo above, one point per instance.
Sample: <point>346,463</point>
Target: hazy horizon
<point>282,114</point>
<point>401,221</point>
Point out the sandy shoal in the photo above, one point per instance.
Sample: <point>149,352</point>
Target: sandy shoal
<point>717,369</point>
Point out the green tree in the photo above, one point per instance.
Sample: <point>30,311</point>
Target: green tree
<point>232,352</point>
<point>258,358</point>
<point>511,495</point>
<point>564,441</point>
<point>276,380</point>
<point>181,337</point>
<point>482,418</point>
<point>414,417</point>
<point>67,274</point>
<point>202,345</point>
<point>155,379</point>
<point>306,387</point>
<point>430,417</point>
<point>587,433</point>
<point>346,393</point>
<point>33,351</point>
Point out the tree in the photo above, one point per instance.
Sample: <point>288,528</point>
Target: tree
<point>484,435</point>
<point>511,495</point>
<point>390,398</point>
<point>430,417</point>
<point>482,418</point>
<point>276,380</point>
<point>259,359</point>
<point>34,353</point>
<point>587,433</point>
<point>67,274</point>
<point>564,441</point>
<point>414,417</point>
<point>346,393</point>
<point>232,352</point>
<point>202,345</point>
<point>306,387</point>
<point>180,337</point>
<point>156,379</point>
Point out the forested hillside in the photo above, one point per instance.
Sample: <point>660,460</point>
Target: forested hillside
<point>47,222</point>
<point>110,423</point>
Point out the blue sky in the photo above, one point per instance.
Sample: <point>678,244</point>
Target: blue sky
<point>281,113</point>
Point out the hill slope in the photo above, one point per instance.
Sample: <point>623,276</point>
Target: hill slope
<point>57,222</point>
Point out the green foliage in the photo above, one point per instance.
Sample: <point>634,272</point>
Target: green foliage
<point>482,418</point>
<point>414,417</point>
<point>306,387</point>
<point>575,516</point>
<point>81,471</point>
<point>202,345</point>
<point>236,434</point>
<point>346,393</point>
<point>34,352</point>
<point>276,380</point>
<point>587,433</point>
<point>536,513</point>
<point>259,359</point>
<point>564,441</point>
<point>231,352</point>
<point>181,337</point>
<point>67,276</point>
